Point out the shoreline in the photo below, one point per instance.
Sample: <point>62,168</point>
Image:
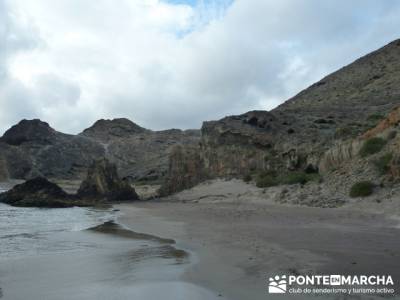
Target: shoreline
<point>238,245</point>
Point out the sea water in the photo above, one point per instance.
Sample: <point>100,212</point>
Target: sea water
<point>73,253</point>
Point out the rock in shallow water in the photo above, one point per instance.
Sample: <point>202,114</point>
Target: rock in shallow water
<point>38,192</point>
<point>102,184</point>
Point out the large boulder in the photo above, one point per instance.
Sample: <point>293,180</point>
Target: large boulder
<point>38,192</point>
<point>103,182</point>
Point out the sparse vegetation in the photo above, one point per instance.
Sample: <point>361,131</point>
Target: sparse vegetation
<point>375,117</point>
<point>295,177</point>
<point>382,163</point>
<point>345,132</point>
<point>361,189</point>
<point>268,179</point>
<point>247,178</point>
<point>372,146</point>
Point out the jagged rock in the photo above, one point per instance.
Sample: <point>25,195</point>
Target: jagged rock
<point>103,182</point>
<point>38,192</point>
<point>140,154</point>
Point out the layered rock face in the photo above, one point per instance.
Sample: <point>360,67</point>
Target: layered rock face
<point>315,130</point>
<point>185,170</point>
<point>103,182</point>
<point>32,148</point>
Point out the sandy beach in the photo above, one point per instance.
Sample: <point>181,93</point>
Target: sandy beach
<point>238,239</point>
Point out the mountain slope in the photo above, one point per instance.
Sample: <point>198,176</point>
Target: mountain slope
<point>295,136</point>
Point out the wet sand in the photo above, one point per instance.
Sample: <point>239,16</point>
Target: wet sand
<point>238,245</point>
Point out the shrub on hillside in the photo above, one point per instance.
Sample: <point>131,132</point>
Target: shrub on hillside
<point>295,177</point>
<point>267,179</point>
<point>382,163</point>
<point>361,189</point>
<point>372,146</point>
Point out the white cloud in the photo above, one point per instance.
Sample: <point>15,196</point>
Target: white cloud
<point>165,65</point>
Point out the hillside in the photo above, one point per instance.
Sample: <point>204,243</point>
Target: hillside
<point>325,122</point>
<point>32,148</point>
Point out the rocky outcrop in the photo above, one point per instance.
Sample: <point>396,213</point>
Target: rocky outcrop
<point>29,131</point>
<point>313,130</point>
<point>338,154</point>
<point>144,157</point>
<point>38,192</point>
<point>103,183</point>
<point>32,148</point>
<point>140,154</point>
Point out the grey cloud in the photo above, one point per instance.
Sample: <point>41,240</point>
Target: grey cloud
<point>105,60</point>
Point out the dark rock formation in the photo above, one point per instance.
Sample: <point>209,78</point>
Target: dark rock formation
<point>105,130</point>
<point>103,182</point>
<point>29,131</point>
<point>296,135</point>
<point>140,154</point>
<point>32,148</point>
<point>38,192</point>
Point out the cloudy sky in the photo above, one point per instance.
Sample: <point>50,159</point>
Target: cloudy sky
<point>174,63</point>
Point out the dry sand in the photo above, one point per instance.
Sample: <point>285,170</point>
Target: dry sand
<point>238,237</point>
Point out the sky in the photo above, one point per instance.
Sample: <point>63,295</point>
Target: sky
<point>177,63</point>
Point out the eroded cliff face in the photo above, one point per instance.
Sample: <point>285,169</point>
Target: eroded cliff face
<point>186,169</point>
<point>319,129</point>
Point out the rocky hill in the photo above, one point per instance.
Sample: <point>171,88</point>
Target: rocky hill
<point>32,148</point>
<point>301,138</point>
<point>139,153</point>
